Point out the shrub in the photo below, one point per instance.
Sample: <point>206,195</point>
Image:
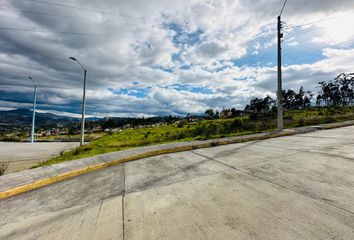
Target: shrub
<point>236,124</point>
<point>146,135</point>
<point>329,119</point>
<point>181,124</point>
<point>301,122</point>
<point>253,116</point>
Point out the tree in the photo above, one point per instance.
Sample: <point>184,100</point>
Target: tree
<point>210,113</point>
<point>303,99</point>
<point>260,104</point>
<point>345,84</point>
<point>288,100</point>
<point>329,93</point>
<point>217,115</point>
<point>234,112</point>
<point>337,92</point>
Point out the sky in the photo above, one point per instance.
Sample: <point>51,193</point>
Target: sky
<point>162,57</point>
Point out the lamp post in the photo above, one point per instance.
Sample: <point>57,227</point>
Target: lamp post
<point>34,108</point>
<point>82,140</point>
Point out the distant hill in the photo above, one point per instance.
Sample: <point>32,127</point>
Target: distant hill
<point>22,118</point>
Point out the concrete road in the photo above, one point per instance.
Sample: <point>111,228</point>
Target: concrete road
<point>298,187</point>
<point>26,155</point>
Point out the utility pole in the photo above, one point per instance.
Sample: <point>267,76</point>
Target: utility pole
<point>34,109</point>
<point>280,88</point>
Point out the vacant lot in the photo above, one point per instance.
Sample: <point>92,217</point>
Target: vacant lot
<point>206,129</point>
<point>26,155</point>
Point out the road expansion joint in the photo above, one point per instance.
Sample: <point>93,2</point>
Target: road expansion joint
<point>316,137</point>
<point>267,160</point>
<point>314,151</point>
<point>99,212</point>
<point>123,207</point>
<point>276,184</point>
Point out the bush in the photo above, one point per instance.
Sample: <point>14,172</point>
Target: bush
<point>331,111</point>
<point>236,124</point>
<point>253,116</point>
<point>9,139</point>
<point>76,151</point>
<point>301,122</point>
<point>181,124</point>
<point>249,126</point>
<point>329,119</point>
<point>146,135</point>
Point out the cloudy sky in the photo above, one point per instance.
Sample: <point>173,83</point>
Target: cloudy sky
<point>162,57</point>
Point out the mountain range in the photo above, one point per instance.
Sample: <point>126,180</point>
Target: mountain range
<point>22,118</point>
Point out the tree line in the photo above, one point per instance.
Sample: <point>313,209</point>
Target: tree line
<point>338,92</point>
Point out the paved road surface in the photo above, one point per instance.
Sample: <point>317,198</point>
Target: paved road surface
<point>26,155</point>
<point>298,187</point>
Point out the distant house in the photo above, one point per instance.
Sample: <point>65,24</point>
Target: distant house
<point>242,112</point>
<point>97,129</point>
<point>126,126</point>
<point>228,113</point>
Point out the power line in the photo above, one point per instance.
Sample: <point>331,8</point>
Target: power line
<point>310,23</point>
<point>301,33</point>
<point>125,23</point>
<point>43,14</point>
<point>87,10</point>
<point>55,32</point>
<point>306,32</point>
<point>306,47</point>
<point>70,17</point>
<point>64,33</point>
<point>282,9</point>
<point>30,86</point>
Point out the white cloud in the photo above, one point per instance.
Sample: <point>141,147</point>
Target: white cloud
<point>134,46</point>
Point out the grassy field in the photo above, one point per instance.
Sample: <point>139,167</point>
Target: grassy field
<point>205,129</point>
<point>24,137</point>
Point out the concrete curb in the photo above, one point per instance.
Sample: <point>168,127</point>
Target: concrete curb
<point>16,183</point>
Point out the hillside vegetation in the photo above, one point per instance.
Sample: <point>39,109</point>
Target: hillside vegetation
<point>205,129</point>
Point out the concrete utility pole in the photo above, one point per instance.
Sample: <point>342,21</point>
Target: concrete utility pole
<point>280,88</point>
<point>34,109</point>
<point>82,137</point>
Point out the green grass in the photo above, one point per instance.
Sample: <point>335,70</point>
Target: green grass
<point>205,129</point>
<point>24,136</point>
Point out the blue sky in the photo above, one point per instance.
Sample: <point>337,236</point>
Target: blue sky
<point>159,57</point>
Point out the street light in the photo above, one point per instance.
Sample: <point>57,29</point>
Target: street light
<point>34,108</point>
<point>83,103</point>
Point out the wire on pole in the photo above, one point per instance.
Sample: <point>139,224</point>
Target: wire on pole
<point>282,9</point>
